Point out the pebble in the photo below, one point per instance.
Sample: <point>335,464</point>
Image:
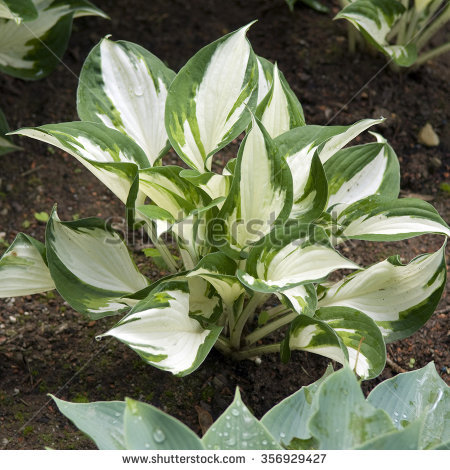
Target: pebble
<point>427,136</point>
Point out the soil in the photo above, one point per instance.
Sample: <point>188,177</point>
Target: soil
<point>46,347</point>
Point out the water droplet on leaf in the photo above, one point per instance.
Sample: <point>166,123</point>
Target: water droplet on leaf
<point>158,435</point>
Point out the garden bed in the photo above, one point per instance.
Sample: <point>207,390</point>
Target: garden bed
<point>46,347</point>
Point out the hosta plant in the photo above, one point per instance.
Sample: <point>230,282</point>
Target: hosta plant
<point>266,227</point>
<point>400,29</point>
<point>409,411</point>
<point>34,34</point>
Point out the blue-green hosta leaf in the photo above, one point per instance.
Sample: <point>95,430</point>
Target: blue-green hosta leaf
<point>302,148</point>
<point>405,439</point>
<point>238,429</point>
<point>111,156</point>
<point>220,272</point>
<point>265,77</point>
<point>420,394</point>
<point>6,144</point>
<point>202,113</point>
<point>358,172</point>
<point>344,419</point>
<point>33,49</point>
<point>147,428</point>
<point>23,268</point>
<point>124,86</point>
<point>260,195</point>
<point>361,336</point>
<point>382,219</point>
<point>399,298</point>
<point>280,109</point>
<point>18,10</point>
<point>102,421</point>
<point>289,418</point>
<point>374,19</point>
<point>316,336</point>
<point>91,266</point>
<point>161,331</point>
<point>276,269</point>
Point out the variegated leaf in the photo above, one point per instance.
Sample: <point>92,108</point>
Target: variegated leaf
<point>374,19</point>
<point>260,195</point>
<point>32,50</point>
<point>272,268</point>
<point>358,172</point>
<point>18,10</point>
<point>302,147</point>
<point>91,266</point>
<point>124,86</point>
<point>23,268</point>
<point>399,298</point>
<point>220,272</point>
<point>265,77</point>
<point>213,184</point>
<point>161,331</point>
<point>301,298</point>
<point>280,109</point>
<point>361,336</point>
<point>169,191</point>
<point>312,335</point>
<point>111,156</point>
<point>203,113</point>
<point>381,219</point>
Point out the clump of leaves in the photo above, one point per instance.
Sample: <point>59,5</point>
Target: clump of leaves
<point>264,227</point>
<point>400,29</point>
<point>404,413</point>
<point>34,34</point>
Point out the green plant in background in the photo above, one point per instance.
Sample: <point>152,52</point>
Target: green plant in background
<point>6,144</point>
<point>34,34</point>
<point>33,37</point>
<point>399,29</point>
<point>314,4</point>
<point>409,411</point>
<point>265,227</point>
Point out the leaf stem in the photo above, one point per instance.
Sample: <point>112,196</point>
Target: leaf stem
<point>434,27</point>
<point>257,351</point>
<point>433,53</point>
<point>270,327</point>
<point>163,250</point>
<point>236,329</point>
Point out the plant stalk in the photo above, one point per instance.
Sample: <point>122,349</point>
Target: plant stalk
<point>223,345</point>
<point>268,328</point>
<point>278,310</point>
<point>162,249</point>
<point>255,352</point>
<point>437,24</point>
<point>236,329</point>
<point>433,53</point>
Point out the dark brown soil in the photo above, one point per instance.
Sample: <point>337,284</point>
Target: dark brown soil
<point>46,347</point>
